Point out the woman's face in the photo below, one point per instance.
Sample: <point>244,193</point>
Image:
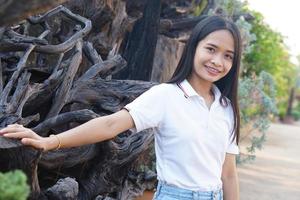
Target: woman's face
<point>214,56</point>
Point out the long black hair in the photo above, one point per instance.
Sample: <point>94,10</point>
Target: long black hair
<point>228,85</point>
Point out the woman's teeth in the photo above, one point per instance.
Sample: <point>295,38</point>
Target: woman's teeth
<point>213,69</point>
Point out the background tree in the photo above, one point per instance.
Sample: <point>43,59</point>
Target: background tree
<point>270,54</point>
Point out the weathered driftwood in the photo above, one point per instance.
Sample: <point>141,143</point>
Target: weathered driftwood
<point>56,72</point>
<point>12,11</point>
<point>18,90</point>
<point>11,45</point>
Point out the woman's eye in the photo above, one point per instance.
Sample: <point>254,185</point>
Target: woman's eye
<point>230,57</point>
<point>210,49</point>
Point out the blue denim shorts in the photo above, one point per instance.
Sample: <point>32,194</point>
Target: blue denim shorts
<point>168,192</point>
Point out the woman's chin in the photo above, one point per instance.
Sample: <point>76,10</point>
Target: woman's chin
<point>212,79</point>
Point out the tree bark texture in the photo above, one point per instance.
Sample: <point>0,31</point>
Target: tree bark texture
<point>12,11</point>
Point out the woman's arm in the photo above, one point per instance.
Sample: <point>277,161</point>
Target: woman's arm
<point>230,178</point>
<point>95,130</point>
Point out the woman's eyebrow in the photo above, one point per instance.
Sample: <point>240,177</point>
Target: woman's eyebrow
<point>213,45</point>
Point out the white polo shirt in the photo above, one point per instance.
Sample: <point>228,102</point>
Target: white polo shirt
<point>190,140</point>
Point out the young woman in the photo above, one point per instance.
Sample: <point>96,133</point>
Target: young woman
<point>195,116</point>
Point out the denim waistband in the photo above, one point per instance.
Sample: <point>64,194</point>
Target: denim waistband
<point>165,188</point>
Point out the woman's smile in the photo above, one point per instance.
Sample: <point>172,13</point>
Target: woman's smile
<point>212,71</point>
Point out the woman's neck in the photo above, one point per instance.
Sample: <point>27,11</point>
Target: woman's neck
<point>202,87</point>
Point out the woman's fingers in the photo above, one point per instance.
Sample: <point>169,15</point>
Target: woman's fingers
<point>27,136</point>
<point>34,143</point>
<point>12,128</point>
<point>18,131</point>
<point>18,135</point>
<point>15,125</point>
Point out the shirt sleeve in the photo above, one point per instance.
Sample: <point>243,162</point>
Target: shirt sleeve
<point>232,147</point>
<point>147,110</point>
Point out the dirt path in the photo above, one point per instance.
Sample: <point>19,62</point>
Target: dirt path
<point>275,174</point>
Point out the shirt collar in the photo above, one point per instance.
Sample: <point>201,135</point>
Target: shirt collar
<point>189,91</point>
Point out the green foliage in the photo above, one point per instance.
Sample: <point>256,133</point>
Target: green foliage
<point>199,8</point>
<point>13,186</point>
<point>257,108</point>
<point>230,8</point>
<point>240,159</point>
<point>268,53</point>
<point>296,112</point>
<point>247,36</point>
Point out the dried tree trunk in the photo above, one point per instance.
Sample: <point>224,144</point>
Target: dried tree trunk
<point>289,118</point>
<point>142,43</point>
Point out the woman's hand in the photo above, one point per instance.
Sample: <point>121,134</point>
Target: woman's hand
<point>28,137</point>
<point>95,130</point>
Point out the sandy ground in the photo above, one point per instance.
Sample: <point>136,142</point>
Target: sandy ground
<point>275,174</point>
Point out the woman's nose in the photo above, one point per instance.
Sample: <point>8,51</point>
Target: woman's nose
<point>217,60</point>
